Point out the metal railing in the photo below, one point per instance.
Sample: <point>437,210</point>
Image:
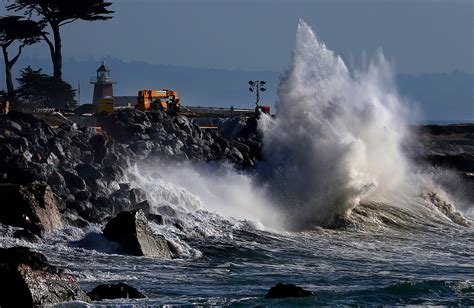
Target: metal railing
<point>100,80</point>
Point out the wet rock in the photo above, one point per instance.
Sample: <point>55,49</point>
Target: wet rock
<point>103,202</point>
<point>167,150</point>
<point>177,145</point>
<point>158,219</point>
<point>40,171</point>
<point>82,195</point>
<point>73,219</point>
<point>237,155</point>
<point>166,210</point>
<point>32,207</point>
<point>121,201</point>
<point>113,173</point>
<point>183,123</point>
<point>73,181</point>
<point>56,147</point>
<point>110,159</point>
<point>124,186</point>
<point>87,157</point>
<point>19,171</point>
<point>287,290</point>
<point>98,188</point>
<point>137,195</point>
<point>141,147</point>
<point>137,128</point>
<point>25,256</point>
<point>81,206</point>
<point>52,159</point>
<point>463,162</point>
<point>88,172</point>
<point>10,125</point>
<point>144,206</point>
<point>97,142</point>
<point>6,153</point>
<point>26,280</point>
<point>15,142</point>
<point>26,235</point>
<point>231,128</point>
<point>131,230</point>
<point>241,147</point>
<point>112,291</point>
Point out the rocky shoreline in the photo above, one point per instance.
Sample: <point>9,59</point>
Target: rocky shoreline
<point>57,174</point>
<point>68,171</point>
<point>52,176</point>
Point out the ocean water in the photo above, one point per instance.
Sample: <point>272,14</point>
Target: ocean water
<point>335,207</point>
<point>418,262</point>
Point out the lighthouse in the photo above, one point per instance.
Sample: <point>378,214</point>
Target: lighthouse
<point>102,84</point>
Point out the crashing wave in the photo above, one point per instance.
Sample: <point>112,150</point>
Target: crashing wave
<point>336,138</point>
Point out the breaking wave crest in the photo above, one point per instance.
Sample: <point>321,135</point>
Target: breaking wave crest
<point>337,136</point>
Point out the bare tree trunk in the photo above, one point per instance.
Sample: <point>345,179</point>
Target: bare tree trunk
<point>8,76</point>
<point>56,54</point>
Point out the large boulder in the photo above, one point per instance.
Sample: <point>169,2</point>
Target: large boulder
<point>88,172</point>
<point>33,207</point>
<point>231,128</point>
<point>287,290</point>
<point>10,125</point>
<point>73,181</point>
<point>21,171</point>
<point>131,230</point>
<point>126,199</point>
<point>98,144</point>
<point>112,291</point>
<point>27,280</point>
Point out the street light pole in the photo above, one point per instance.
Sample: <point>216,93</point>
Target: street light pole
<point>259,85</point>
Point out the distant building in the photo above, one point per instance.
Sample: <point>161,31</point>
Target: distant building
<point>124,101</point>
<point>102,84</point>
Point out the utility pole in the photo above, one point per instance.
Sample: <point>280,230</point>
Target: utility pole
<point>78,92</point>
<point>258,85</point>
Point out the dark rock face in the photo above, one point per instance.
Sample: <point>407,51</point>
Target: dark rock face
<point>287,290</point>
<point>463,162</point>
<point>445,146</point>
<point>24,255</point>
<point>112,291</point>
<point>159,134</point>
<point>98,144</point>
<point>73,181</point>
<point>166,210</point>
<point>158,219</point>
<point>26,280</point>
<point>26,235</point>
<point>131,230</point>
<point>88,172</point>
<point>32,207</point>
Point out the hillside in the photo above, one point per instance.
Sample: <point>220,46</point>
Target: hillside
<point>443,96</point>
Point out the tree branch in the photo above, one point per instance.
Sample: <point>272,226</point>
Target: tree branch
<point>15,58</point>
<point>8,43</point>
<point>48,41</point>
<point>68,22</point>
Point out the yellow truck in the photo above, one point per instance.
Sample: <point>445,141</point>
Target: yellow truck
<point>158,99</point>
<point>106,104</point>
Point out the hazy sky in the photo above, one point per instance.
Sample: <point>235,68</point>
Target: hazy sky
<point>420,36</point>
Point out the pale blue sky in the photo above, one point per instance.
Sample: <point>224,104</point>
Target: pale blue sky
<point>421,36</point>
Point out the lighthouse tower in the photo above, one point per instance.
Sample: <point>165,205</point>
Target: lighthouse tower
<point>102,84</point>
